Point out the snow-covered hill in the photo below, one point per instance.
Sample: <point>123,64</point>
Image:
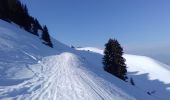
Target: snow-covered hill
<point>29,70</point>
<point>148,74</point>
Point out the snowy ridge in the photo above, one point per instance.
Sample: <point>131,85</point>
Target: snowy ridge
<point>30,70</point>
<point>91,49</point>
<point>149,75</point>
<point>138,63</point>
<point>155,69</point>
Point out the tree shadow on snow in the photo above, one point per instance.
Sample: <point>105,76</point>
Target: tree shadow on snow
<point>152,87</point>
<point>155,88</point>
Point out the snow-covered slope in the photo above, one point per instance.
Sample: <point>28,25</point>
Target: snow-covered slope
<point>30,70</point>
<point>149,75</point>
<point>91,49</point>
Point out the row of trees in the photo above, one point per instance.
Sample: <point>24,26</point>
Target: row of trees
<point>15,11</point>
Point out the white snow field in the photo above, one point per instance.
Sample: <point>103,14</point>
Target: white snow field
<point>149,75</point>
<point>29,70</point>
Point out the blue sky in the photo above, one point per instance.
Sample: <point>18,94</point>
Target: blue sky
<point>141,26</point>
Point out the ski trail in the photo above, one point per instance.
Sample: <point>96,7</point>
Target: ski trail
<point>62,78</point>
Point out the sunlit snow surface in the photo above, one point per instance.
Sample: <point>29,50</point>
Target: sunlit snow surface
<point>30,70</point>
<point>148,74</point>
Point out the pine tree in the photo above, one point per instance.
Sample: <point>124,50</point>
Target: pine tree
<point>37,26</point>
<point>15,11</point>
<point>4,10</point>
<point>26,18</point>
<point>46,36</point>
<point>113,61</point>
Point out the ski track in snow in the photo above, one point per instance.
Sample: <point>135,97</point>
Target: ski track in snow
<point>30,70</point>
<point>62,79</point>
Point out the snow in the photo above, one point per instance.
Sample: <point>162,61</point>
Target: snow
<point>91,49</point>
<point>148,65</point>
<point>30,70</point>
<point>148,74</point>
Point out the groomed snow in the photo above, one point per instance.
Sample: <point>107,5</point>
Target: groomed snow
<point>30,70</point>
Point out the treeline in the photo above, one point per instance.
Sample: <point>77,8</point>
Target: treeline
<point>15,11</point>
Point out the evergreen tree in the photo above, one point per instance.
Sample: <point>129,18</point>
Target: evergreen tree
<point>37,26</point>
<point>26,19</point>
<point>4,10</point>
<point>46,36</point>
<point>113,61</point>
<point>15,11</point>
<point>32,28</point>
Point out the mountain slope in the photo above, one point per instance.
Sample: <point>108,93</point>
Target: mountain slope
<point>30,70</point>
<point>149,75</point>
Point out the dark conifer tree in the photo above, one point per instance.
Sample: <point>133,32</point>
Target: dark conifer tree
<point>32,22</point>
<point>15,11</point>
<point>26,18</point>
<point>46,36</point>
<point>4,10</point>
<point>37,26</point>
<point>113,61</point>
<point>33,28</point>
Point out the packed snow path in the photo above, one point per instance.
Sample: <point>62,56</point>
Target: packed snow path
<point>29,70</point>
<point>61,78</point>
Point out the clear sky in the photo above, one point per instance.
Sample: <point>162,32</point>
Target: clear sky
<point>141,26</point>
